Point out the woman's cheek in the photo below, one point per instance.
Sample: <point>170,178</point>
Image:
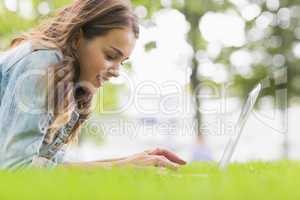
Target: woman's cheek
<point>101,63</point>
<point>106,65</point>
<point>97,65</point>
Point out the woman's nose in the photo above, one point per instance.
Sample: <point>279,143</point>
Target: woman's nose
<point>116,66</point>
<point>113,72</point>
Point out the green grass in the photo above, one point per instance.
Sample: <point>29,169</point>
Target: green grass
<point>255,180</point>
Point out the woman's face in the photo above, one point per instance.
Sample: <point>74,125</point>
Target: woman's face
<point>101,56</point>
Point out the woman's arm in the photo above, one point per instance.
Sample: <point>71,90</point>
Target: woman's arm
<point>87,165</point>
<point>90,164</point>
<point>111,160</point>
<point>97,163</point>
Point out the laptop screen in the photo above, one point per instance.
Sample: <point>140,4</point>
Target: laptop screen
<point>244,115</point>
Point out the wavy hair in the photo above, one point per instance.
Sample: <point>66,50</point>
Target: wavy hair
<point>61,31</point>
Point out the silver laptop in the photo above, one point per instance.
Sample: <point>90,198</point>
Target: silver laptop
<point>244,115</point>
<point>233,141</point>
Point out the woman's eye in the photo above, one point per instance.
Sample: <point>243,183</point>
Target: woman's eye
<point>110,57</point>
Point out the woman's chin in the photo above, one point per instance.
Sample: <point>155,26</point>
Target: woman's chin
<point>94,89</point>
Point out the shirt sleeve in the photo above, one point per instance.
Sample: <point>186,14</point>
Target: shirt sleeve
<point>23,109</point>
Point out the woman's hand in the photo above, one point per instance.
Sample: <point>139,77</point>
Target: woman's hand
<point>157,157</point>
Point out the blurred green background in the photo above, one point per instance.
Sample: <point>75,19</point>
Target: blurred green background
<point>279,40</point>
<point>270,42</point>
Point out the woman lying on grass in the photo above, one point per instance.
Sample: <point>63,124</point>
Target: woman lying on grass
<point>49,77</point>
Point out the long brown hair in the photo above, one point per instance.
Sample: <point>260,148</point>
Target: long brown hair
<point>94,18</point>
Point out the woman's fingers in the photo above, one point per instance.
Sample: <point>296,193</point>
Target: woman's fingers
<point>168,154</point>
<point>144,159</point>
<point>161,161</point>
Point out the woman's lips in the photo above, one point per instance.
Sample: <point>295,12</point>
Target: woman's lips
<point>99,81</point>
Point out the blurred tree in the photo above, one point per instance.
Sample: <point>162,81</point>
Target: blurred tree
<point>279,46</point>
<point>278,24</point>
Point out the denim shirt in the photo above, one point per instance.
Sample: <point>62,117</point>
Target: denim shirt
<point>23,112</point>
